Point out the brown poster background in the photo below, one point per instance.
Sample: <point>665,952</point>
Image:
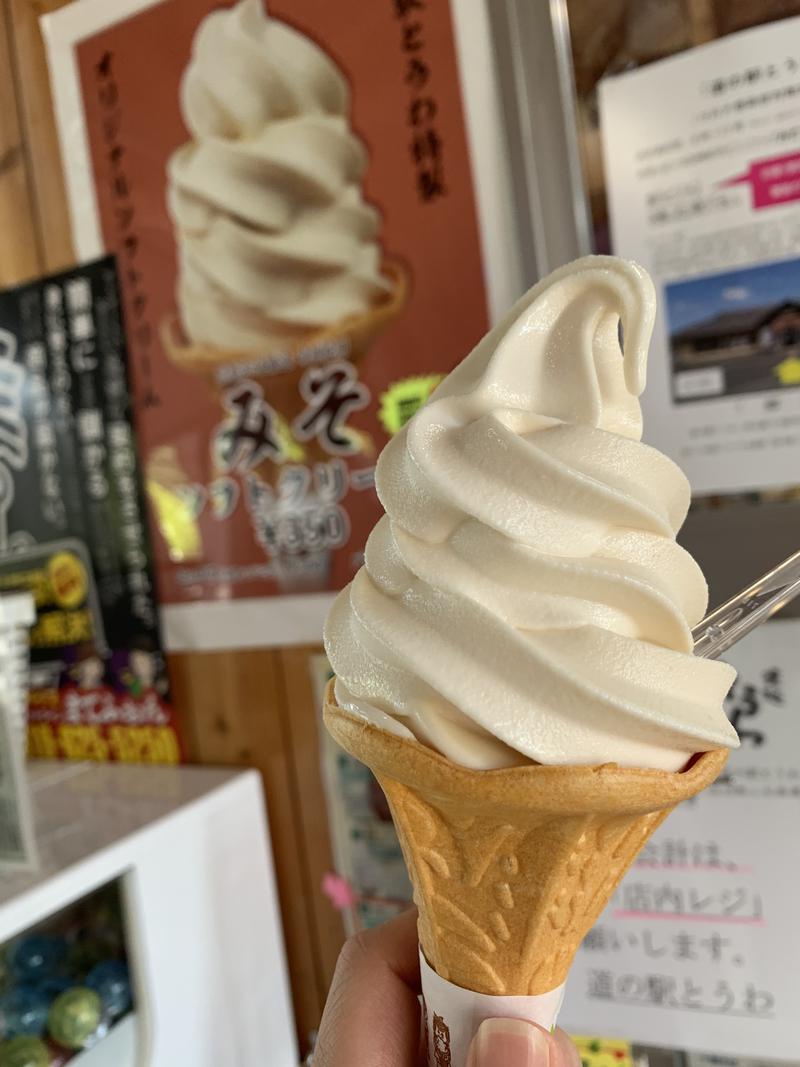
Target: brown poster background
<point>130,77</point>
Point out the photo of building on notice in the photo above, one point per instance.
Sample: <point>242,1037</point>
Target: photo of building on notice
<point>734,333</point>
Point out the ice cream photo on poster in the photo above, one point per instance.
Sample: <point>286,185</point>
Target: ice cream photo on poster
<point>514,660</point>
<point>276,241</point>
<point>282,277</point>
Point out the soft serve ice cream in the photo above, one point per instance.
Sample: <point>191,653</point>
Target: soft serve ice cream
<point>275,238</point>
<point>523,599</point>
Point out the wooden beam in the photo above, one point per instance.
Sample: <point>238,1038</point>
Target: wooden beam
<point>303,724</point>
<point>20,253</point>
<point>41,139</point>
<point>702,21</point>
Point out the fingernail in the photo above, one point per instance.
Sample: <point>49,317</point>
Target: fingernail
<point>563,1052</point>
<point>509,1043</point>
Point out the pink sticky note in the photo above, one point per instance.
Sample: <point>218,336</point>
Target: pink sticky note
<point>772,181</point>
<point>339,891</point>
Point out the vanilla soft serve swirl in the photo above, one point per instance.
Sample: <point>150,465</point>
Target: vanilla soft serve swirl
<point>523,598</point>
<point>275,238</point>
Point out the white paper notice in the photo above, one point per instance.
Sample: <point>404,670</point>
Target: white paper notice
<point>699,948</point>
<point>702,161</point>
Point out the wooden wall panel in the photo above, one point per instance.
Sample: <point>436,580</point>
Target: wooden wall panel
<point>302,718</point>
<point>41,140</point>
<point>702,21</point>
<point>20,254</point>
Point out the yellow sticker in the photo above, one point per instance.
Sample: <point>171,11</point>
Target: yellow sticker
<point>176,522</point>
<point>604,1052</point>
<point>404,399</point>
<point>68,580</point>
<point>361,443</point>
<point>290,447</point>
<point>789,371</point>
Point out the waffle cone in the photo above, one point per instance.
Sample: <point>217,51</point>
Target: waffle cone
<point>357,331</point>
<point>512,867</point>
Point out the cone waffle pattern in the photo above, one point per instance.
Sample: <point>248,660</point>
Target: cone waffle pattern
<point>511,868</point>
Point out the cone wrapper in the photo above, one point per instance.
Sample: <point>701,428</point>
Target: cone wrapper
<point>452,1014</point>
<point>511,868</point>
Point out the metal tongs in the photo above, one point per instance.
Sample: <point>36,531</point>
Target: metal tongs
<point>743,612</point>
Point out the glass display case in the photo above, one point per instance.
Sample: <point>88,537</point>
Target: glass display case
<point>66,987</point>
<point>148,933</point>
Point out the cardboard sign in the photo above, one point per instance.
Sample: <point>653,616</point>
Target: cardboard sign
<point>289,192</point>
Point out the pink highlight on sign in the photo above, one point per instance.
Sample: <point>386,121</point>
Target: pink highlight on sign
<point>714,868</point>
<point>772,181</point>
<point>739,920</point>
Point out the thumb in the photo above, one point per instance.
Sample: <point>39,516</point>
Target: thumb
<point>516,1043</point>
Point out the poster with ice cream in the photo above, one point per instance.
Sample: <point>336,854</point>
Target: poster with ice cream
<point>289,190</point>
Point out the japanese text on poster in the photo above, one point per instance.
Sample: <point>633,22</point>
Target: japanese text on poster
<point>72,526</point>
<point>697,948</point>
<point>702,158</point>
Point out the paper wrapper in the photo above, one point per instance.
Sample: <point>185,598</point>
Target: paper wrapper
<point>511,868</point>
<point>452,1015</point>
